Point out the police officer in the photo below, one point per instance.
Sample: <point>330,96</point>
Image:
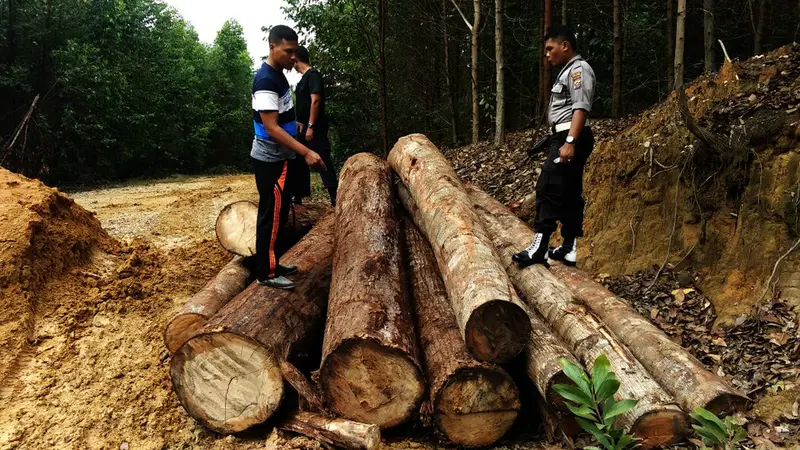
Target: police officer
<point>559,191</point>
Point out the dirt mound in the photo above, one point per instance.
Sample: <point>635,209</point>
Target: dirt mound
<point>42,234</point>
<point>655,194</point>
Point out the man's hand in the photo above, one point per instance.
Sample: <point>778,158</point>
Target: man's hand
<point>313,160</point>
<point>566,152</point>
<point>309,134</point>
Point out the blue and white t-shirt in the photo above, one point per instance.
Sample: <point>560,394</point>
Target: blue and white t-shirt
<point>271,93</point>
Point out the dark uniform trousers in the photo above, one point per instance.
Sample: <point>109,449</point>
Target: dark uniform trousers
<point>273,212</point>
<point>559,191</point>
<point>301,186</point>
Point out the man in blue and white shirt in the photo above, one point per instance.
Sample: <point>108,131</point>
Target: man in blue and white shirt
<point>273,146</point>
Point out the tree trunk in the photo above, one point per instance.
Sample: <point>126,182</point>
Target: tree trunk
<point>548,22</point>
<point>709,39</point>
<point>564,12</point>
<point>761,21</point>
<point>680,35</point>
<point>671,43</point>
<point>339,433</point>
<point>674,368</point>
<point>616,98</point>
<point>474,403</point>
<point>492,319</point>
<point>236,226</point>
<point>500,131</point>
<point>229,282</point>
<point>656,419</point>
<point>476,111</point>
<point>382,17</point>
<point>448,68</point>
<point>370,368</point>
<point>230,376</point>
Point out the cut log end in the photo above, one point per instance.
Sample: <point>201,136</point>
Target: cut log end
<point>497,331</point>
<point>554,399</point>
<point>181,329</point>
<point>476,407</point>
<point>371,383</point>
<point>227,382</point>
<point>660,427</point>
<point>726,403</point>
<point>236,228</point>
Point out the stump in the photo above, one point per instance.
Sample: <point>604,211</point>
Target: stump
<point>370,361</point>
<point>230,376</point>
<point>492,319</point>
<point>474,403</point>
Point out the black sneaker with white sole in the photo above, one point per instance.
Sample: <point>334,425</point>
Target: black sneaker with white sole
<point>536,253</point>
<point>567,252</point>
<point>278,282</point>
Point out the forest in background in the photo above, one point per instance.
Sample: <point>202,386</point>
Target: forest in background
<point>125,88</point>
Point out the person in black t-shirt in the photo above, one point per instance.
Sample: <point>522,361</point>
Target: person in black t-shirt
<point>313,127</point>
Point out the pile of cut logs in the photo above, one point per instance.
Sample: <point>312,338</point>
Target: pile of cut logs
<point>409,291</point>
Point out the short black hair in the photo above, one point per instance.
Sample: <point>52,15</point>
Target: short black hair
<point>560,33</point>
<point>280,33</point>
<point>302,54</point>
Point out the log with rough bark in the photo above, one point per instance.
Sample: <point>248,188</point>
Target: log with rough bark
<point>492,319</point>
<point>474,403</point>
<point>236,226</point>
<point>370,368</point>
<point>230,281</point>
<point>341,433</point>
<point>230,376</point>
<point>656,419</point>
<point>680,373</point>
<point>544,349</point>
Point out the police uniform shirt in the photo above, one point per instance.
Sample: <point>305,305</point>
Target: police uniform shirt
<point>573,89</point>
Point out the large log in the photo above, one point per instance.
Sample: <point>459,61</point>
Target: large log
<point>492,319</point>
<point>474,403</point>
<point>680,373</point>
<point>543,351</point>
<point>230,281</point>
<point>230,376</point>
<point>341,433</point>
<point>656,419</point>
<point>370,368</point>
<point>236,226</point>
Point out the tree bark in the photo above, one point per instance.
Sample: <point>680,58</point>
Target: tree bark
<point>474,403</point>
<point>370,369</point>
<point>616,98</point>
<point>548,22</point>
<point>230,376</point>
<point>564,12</point>
<point>500,119</point>
<point>709,40</point>
<point>671,43</point>
<point>382,17</point>
<point>448,68</point>
<point>229,282</point>
<point>236,227</point>
<point>759,25</point>
<point>656,419</point>
<point>476,111</point>
<point>674,368</point>
<point>340,433</point>
<point>680,36</point>
<point>492,319</point>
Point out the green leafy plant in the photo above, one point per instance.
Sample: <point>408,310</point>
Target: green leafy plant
<point>716,433</point>
<point>592,401</point>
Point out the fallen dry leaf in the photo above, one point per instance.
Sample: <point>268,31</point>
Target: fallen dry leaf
<point>779,339</point>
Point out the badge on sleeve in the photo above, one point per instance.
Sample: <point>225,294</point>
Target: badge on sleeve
<point>576,79</point>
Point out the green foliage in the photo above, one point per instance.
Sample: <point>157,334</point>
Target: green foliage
<point>126,89</point>
<point>591,400</point>
<point>716,433</point>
